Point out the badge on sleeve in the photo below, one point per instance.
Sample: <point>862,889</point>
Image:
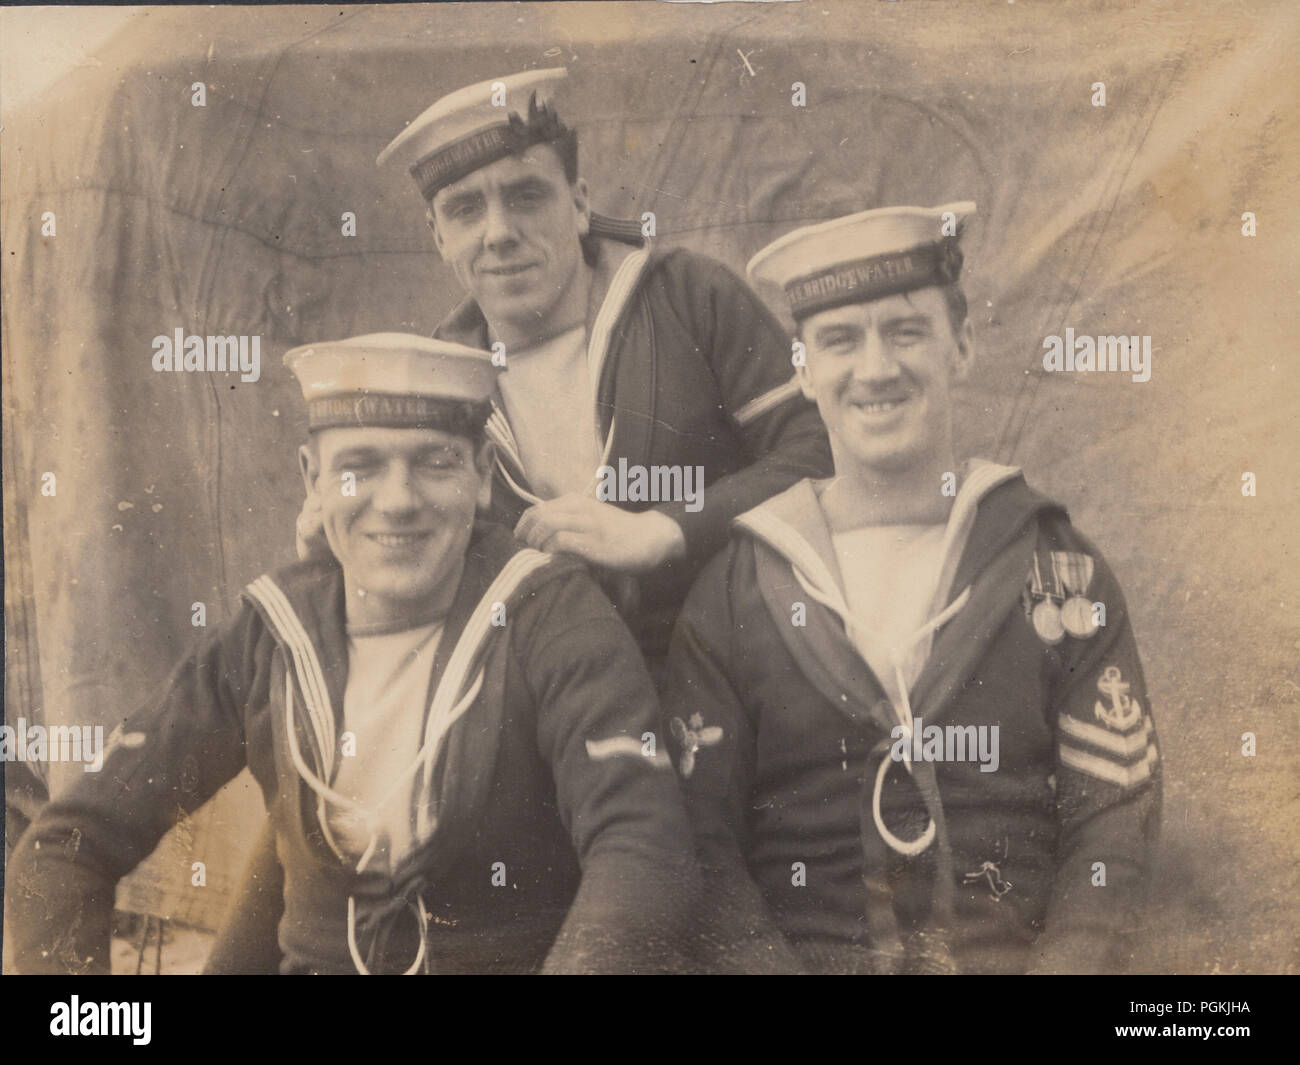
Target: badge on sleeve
<point>693,737</point>
<point>1121,749</point>
<point>1123,712</point>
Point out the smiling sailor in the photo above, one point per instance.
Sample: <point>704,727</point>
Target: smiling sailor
<point>446,725</point>
<point>911,720</point>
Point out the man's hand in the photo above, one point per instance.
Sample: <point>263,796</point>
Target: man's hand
<point>311,540</point>
<point>602,534</point>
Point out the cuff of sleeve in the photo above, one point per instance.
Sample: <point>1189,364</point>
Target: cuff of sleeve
<point>700,529</point>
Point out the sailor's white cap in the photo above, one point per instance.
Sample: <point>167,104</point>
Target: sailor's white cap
<point>390,379</point>
<point>471,127</point>
<point>864,256</point>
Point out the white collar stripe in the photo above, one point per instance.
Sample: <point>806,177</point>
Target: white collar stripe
<point>620,290</point>
<point>450,700</point>
<point>788,541</point>
<point>498,428</point>
<point>625,279</point>
<point>522,493</point>
<point>311,678</point>
<point>759,406</point>
<point>306,662</point>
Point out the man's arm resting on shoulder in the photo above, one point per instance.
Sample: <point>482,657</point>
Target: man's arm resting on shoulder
<point>750,356</point>
<point>1108,796</point>
<point>169,759</point>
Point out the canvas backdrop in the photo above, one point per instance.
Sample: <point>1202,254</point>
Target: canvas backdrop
<point>177,489</point>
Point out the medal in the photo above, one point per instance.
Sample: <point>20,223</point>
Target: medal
<point>1076,616</point>
<point>1047,622</point>
<point>1073,571</point>
<point>1046,615</point>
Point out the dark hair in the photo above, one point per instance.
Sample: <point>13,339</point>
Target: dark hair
<point>543,126</point>
<point>955,299</point>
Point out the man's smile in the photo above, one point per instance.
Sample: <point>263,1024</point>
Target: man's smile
<point>879,407</point>
<point>398,540</point>
<point>509,270</point>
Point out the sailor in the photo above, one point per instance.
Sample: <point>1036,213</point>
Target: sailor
<point>855,626</point>
<point>447,726</point>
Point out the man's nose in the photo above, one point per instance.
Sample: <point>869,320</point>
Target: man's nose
<point>873,361</point>
<point>499,225</point>
<point>395,493</point>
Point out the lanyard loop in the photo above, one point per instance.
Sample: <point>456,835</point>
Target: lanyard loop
<point>902,709</point>
<point>421,916</point>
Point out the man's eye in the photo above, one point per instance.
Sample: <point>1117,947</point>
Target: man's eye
<point>462,211</point>
<point>908,336</point>
<point>437,464</point>
<point>360,470</point>
<point>527,198</point>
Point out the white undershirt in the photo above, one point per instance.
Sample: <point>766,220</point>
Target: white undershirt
<point>549,404</point>
<point>383,707</point>
<point>890,574</point>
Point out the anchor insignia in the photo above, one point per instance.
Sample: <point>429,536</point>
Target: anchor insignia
<point>1123,712</point>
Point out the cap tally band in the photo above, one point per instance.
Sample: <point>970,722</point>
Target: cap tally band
<point>459,417</point>
<point>462,157</point>
<point>875,277</point>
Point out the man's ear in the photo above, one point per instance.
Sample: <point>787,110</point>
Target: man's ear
<point>803,375</point>
<point>432,223</point>
<point>965,352</point>
<point>582,205</point>
<point>483,463</point>
<point>308,466</point>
